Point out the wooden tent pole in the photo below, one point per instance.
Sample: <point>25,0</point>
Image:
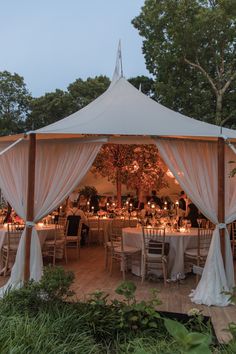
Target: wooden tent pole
<point>221,192</point>
<point>30,202</point>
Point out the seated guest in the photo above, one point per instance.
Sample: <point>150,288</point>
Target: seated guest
<point>182,204</point>
<point>103,204</point>
<point>155,199</point>
<point>192,214</point>
<point>75,215</point>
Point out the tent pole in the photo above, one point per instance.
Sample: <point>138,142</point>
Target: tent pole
<point>30,202</point>
<point>221,192</point>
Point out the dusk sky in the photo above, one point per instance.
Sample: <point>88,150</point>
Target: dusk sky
<point>52,42</point>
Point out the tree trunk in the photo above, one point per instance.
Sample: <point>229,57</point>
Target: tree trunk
<point>218,117</point>
<point>118,187</point>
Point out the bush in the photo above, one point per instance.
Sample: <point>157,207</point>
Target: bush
<point>38,319</point>
<point>54,287</point>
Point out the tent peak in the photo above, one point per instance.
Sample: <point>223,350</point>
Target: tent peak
<point>118,71</point>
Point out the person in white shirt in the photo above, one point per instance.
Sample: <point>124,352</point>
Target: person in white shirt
<point>75,210</point>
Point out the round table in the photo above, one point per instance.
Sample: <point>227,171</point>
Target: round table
<point>178,241</point>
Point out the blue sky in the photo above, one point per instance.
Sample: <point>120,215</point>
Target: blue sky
<point>53,42</point>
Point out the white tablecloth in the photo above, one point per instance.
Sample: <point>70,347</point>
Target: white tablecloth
<point>178,242</point>
<point>106,225</point>
<point>43,233</point>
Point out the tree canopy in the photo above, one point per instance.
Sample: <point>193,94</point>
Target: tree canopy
<point>189,47</point>
<point>14,103</point>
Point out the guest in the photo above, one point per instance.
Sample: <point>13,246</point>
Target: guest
<point>76,211</point>
<point>142,210</point>
<point>182,204</point>
<point>94,202</point>
<point>192,214</point>
<point>155,199</point>
<point>103,204</point>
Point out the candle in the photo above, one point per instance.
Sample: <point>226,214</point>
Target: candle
<point>153,206</point>
<point>92,207</point>
<point>165,208</point>
<point>182,229</point>
<point>88,202</point>
<point>113,204</point>
<point>165,203</point>
<point>149,203</point>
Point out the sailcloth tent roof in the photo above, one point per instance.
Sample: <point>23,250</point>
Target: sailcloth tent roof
<point>124,110</point>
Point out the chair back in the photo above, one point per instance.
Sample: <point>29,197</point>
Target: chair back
<point>59,231</point>
<point>154,240</point>
<point>116,227</point>
<point>62,221</point>
<point>73,222</point>
<point>94,223</point>
<point>13,236</point>
<point>204,239</point>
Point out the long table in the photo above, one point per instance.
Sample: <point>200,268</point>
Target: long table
<point>178,242</point>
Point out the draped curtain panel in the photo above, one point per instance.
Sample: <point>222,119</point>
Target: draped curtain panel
<point>194,165</point>
<point>60,166</point>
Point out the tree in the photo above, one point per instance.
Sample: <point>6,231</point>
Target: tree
<point>49,108</point>
<point>145,84</point>
<point>137,166</point>
<point>84,92</point>
<point>189,47</point>
<point>14,103</point>
<point>57,105</point>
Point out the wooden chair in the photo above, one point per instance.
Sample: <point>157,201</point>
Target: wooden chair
<point>56,247</point>
<point>9,248</point>
<point>73,241</point>
<point>62,221</point>
<point>115,235</point>
<point>96,232</point>
<point>233,241</point>
<point>197,256</point>
<point>154,252</point>
<point>121,253</point>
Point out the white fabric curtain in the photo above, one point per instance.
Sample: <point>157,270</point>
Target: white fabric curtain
<point>194,165</point>
<point>60,166</point>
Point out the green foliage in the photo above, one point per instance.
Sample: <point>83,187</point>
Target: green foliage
<point>189,47</point>
<point>35,319</point>
<point>49,108</point>
<point>88,191</point>
<point>14,103</point>
<point>63,332</point>
<point>85,91</point>
<point>190,342</point>
<point>53,287</point>
<point>145,84</point>
<point>57,105</point>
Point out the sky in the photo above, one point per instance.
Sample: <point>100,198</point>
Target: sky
<point>53,42</point>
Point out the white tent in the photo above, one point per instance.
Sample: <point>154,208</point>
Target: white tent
<point>124,110</point>
<point>61,154</point>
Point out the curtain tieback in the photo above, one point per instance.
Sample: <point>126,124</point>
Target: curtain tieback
<point>30,224</point>
<point>222,226</point>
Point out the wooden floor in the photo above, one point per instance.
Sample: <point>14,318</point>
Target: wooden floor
<point>90,275</point>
